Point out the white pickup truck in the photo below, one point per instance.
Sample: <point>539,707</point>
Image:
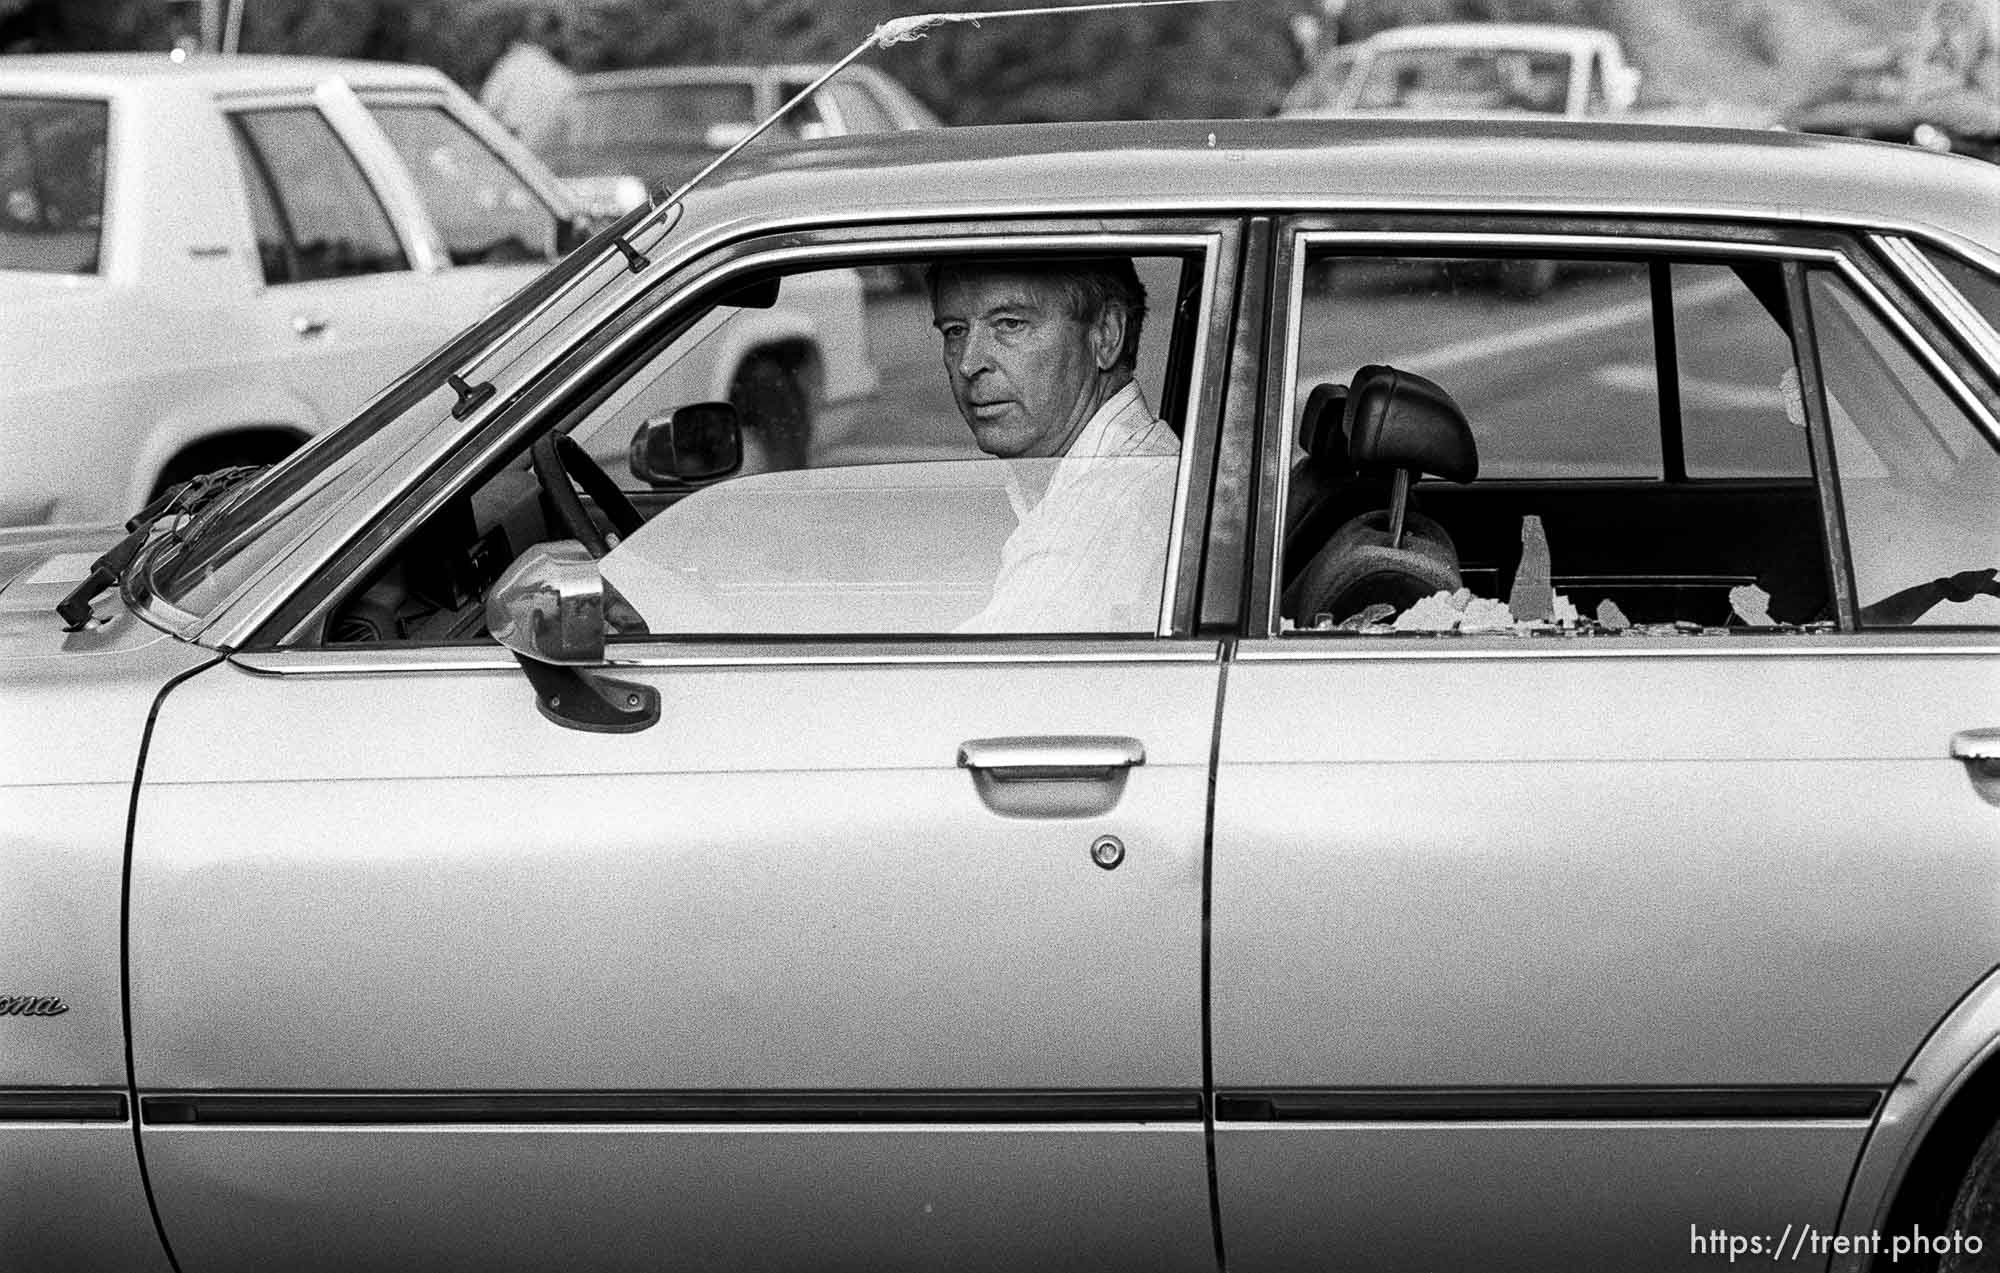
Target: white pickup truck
<point>1472,68</point>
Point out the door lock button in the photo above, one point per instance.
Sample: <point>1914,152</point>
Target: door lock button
<point>1107,851</point>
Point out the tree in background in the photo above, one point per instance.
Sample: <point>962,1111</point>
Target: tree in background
<point>1208,61</point>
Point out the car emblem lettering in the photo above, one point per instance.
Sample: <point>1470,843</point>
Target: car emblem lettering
<point>32,1006</point>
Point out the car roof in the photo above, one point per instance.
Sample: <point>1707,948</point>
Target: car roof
<point>129,74</point>
<point>717,73</point>
<point>1490,35</point>
<point>1528,165</point>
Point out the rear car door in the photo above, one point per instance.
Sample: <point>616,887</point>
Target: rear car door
<point>880,948</point>
<point>1592,906</point>
<point>342,308</point>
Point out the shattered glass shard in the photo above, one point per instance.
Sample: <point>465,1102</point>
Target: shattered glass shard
<point>1533,595</point>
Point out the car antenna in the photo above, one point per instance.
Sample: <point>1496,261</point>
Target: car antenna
<point>897,31</point>
<point>641,219</point>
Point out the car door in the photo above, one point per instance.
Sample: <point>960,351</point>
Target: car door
<point>1578,942</point>
<point>345,303</point>
<point>871,952</point>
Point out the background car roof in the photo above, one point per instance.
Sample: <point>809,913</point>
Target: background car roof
<point>1490,35</point>
<point>1513,165</point>
<point>711,73</point>
<point>121,74</point>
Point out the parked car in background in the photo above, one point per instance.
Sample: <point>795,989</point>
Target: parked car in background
<point>625,131</point>
<point>1874,98</point>
<point>1543,817</point>
<point>1474,68</point>
<point>205,263</point>
<point>1470,70</point>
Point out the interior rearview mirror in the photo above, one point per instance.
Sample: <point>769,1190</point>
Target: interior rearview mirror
<point>697,443</point>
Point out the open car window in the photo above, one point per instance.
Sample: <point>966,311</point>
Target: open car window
<point>865,503</point>
<point>1611,447</point>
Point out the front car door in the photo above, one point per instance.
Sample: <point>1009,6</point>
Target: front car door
<point>1593,906</point>
<point>880,948</point>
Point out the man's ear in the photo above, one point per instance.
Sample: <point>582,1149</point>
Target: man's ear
<point>1107,335</point>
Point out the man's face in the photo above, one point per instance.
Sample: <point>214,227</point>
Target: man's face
<point>1024,372</point>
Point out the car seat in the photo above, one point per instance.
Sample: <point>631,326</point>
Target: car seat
<point>1320,476</point>
<point>1396,426</point>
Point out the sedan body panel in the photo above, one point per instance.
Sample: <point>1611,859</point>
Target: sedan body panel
<point>784,893</point>
<point>45,1168</point>
<point>1507,1195</point>
<point>1389,923</point>
<point>963,1197</point>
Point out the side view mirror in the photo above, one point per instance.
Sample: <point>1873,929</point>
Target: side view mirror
<point>549,606</point>
<point>697,443</point>
<point>549,609</point>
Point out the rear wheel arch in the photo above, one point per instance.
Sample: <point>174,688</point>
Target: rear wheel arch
<point>1930,1127</point>
<point>1938,1195</point>
<point>247,444</point>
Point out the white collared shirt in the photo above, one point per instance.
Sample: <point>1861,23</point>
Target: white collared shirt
<point>1090,553</point>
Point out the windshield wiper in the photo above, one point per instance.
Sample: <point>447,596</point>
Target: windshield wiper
<point>185,500</point>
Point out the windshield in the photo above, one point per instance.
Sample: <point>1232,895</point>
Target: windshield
<point>1468,79</point>
<point>51,183</point>
<point>660,114</point>
<point>268,517</point>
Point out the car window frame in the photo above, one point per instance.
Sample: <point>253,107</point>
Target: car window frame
<point>1842,249</point>
<point>417,254</point>
<point>1917,262</point>
<point>376,100</point>
<point>563,387</point>
<point>110,107</point>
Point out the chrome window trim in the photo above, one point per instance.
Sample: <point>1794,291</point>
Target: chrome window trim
<point>659,226</point>
<point>839,251</point>
<point>1930,283</point>
<point>1817,645</point>
<point>373,660</point>
<point>1947,375</point>
<point>1788,216</point>
<point>1302,241</point>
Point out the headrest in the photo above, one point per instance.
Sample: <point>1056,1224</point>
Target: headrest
<point>1399,420</point>
<point>1322,428</point>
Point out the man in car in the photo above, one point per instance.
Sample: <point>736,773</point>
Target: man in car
<point>1040,356</point>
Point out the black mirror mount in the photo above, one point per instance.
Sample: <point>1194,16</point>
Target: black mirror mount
<point>702,442</point>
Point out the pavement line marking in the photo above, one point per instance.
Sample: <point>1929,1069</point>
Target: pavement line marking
<point>1441,360</point>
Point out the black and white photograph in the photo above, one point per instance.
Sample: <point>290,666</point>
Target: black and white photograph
<point>1186,636</point>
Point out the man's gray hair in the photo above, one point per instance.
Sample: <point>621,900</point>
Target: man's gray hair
<point>1086,284</point>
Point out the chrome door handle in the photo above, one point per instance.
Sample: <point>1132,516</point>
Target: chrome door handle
<point>308,324</point>
<point>1061,758</point>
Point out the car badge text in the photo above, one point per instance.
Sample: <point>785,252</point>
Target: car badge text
<point>32,1006</point>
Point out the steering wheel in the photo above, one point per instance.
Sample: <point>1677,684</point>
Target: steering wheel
<point>561,466</point>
